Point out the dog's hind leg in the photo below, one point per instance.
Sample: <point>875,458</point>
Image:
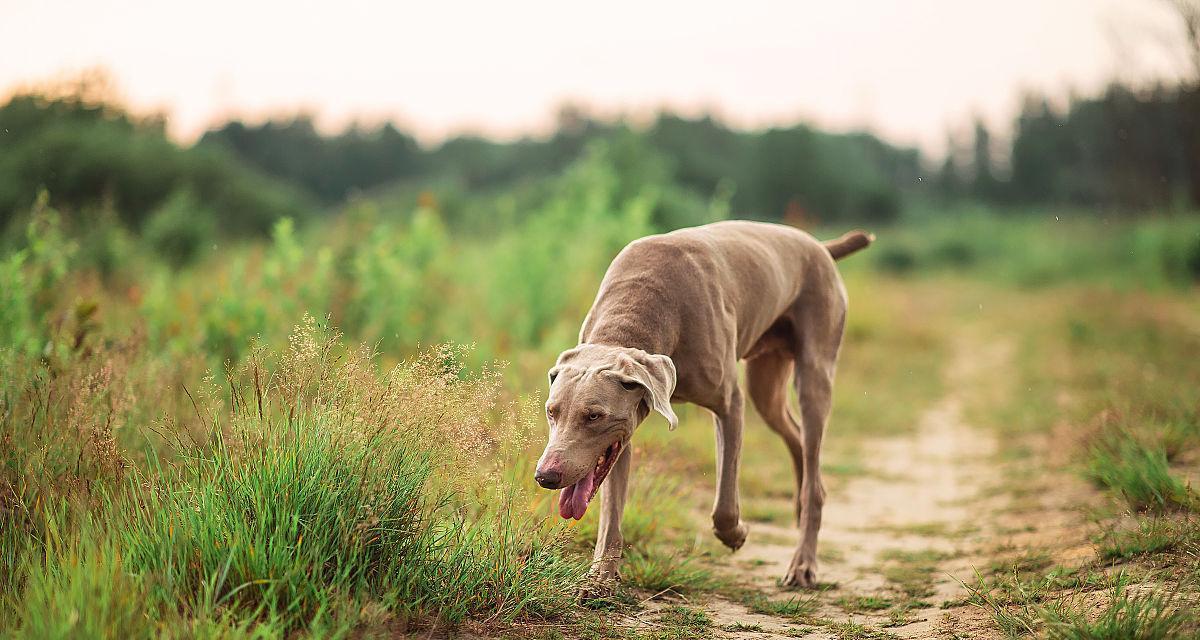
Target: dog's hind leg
<point>816,361</point>
<point>768,377</point>
<point>726,514</point>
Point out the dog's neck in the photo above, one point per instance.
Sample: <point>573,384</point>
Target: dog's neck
<point>632,327</point>
<point>629,335</point>
<point>632,312</point>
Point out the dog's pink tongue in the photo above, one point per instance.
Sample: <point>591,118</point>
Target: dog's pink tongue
<point>573,502</point>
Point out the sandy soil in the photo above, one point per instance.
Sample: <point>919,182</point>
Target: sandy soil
<point>933,496</point>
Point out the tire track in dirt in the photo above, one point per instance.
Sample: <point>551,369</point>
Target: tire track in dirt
<point>908,532</point>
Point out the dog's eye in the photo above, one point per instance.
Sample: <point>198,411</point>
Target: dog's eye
<point>630,386</point>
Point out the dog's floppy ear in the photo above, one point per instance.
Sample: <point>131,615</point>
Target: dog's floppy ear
<point>656,374</point>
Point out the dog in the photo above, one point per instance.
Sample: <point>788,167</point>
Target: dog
<point>674,314</point>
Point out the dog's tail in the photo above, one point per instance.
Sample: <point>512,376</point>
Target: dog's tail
<point>849,243</point>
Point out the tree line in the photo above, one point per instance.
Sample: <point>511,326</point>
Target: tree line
<point>1126,149</point>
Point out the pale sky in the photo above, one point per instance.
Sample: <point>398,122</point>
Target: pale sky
<point>908,70</point>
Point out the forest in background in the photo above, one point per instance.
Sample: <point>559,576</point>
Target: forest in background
<point>1126,151</point>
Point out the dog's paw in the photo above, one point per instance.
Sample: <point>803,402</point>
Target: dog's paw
<point>801,573</point>
<point>601,582</point>
<point>733,538</point>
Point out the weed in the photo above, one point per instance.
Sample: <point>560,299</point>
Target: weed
<point>1147,616</point>
<point>797,608</point>
<point>659,570</point>
<point>859,604</point>
<point>912,571</point>
<point>855,631</point>
<point>683,623</point>
<point>1152,535</point>
<point>1139,473</point>
<point>738,627</point>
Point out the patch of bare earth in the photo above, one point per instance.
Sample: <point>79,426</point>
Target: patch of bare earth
<point>899,540</point>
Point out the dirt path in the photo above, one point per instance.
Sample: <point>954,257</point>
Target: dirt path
<point>898,540</point>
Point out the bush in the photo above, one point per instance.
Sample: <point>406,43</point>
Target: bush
<point>180,230</point>
<point>896,259</point>
<point>954,253</point>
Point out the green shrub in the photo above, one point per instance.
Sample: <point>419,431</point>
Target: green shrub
<point>954,252</point>
<point>180,230</point>
<point>895,259</point>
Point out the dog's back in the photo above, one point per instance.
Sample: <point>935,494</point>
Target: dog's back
<point>706,293</point>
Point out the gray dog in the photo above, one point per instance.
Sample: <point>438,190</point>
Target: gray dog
<point>674,314</point>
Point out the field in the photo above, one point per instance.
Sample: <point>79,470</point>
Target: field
<point>331,433</point>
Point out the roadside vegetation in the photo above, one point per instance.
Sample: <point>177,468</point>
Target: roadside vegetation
<point>1107,394</point>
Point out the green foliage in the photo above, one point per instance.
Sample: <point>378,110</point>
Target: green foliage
<point>659,569</point>
<point>1041,250</point>
<point>84,591</point>
<point>1149,536</point>
<point>1139,473</point>
<point>1125,148</point>
<point>180,229</point>
<point>797,608</point>
<point>1127,616</point>
<point>315,488</point>
<point>682,623</point>
<point>29,280</point>
<point>88,152</point>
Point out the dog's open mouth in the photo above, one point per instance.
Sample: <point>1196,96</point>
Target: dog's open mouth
<point>573,501</point>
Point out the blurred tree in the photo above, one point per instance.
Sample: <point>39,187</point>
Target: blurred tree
<point>88,152</point>
<point>330,168</point>
<point>949,184</point>
<point>984,184</point>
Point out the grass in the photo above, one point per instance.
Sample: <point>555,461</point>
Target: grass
<point>1139,473</point>
<point>312,498</point>
<point>860,604</point>
<point>316,488</point>
<point>911,572</point>
<point>1125,418</point>
<point>1148,616</point>
<point>665,569</point>
<point>1149,537</point>
<point>855,631</point>
<point>740,627</point>
<point>795,608</point>
<point>682,623</point>
<point>1110,613</point>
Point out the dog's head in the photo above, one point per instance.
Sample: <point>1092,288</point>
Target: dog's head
<point>598,396</point>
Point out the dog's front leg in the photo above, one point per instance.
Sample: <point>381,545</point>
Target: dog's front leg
<point>726,514</point>
<point>607,559</point>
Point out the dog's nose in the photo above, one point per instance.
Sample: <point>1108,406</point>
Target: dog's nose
<point>549,479</point>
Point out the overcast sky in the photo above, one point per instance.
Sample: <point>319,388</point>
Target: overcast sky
<point>906,69</point>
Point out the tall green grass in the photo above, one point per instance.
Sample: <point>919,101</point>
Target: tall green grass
<point>319,488</point>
